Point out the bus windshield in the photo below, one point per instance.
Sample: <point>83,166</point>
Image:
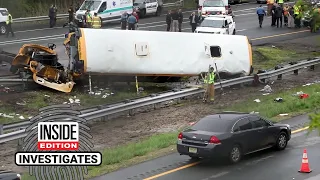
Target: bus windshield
<point>91,5</point>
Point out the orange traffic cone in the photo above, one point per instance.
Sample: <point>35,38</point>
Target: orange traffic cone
<point>305,163</point>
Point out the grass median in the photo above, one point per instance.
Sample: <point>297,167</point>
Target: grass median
<point>160,144</point>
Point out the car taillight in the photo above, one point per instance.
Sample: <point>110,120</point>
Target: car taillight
<point>180,136</point>
<point>214,140</point>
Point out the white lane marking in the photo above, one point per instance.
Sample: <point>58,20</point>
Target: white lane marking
<point>259,160</point>
<point>236,30</point>
<point>216,175</point>
<point>31,39</point>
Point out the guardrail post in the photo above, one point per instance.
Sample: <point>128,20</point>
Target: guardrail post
<point>131,112</point>
<point>295,72</point>
<point>312,68</point>
<point>20,144</point>
<point>280,75</point>
<point>1,129</point>
<point>156,106</point>
<point>178,100</point>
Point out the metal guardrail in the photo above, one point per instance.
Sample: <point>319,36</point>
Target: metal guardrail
<point>106,111</point>
<point>65,16</point>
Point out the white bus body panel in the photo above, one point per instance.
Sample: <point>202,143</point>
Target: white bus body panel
<point>157,53</point>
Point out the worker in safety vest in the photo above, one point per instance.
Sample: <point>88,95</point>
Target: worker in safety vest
<point>89,19</point>
<point>280,2</point>
<point>270,4</point>
<point>8,25</point>
<point>96,21</point>
<point>286,14</point>
<point>297,18</point>
<point>209,80</point>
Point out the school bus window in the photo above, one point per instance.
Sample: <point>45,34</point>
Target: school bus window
<point>215,51</point>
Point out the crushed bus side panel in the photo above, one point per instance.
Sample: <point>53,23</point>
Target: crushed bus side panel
<point>42,64</point>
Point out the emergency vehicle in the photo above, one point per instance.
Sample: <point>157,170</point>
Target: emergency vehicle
<point>3,18</point>
<point>217,24</point>
<point>108,10</point>
<point>148,7</point>
<point>212,7</point>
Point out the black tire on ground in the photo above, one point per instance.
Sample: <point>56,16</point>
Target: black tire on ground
<point>234,32</point>
<point>143,13</point>
<point>282,141</point>
<point>3,28</point>
<point>235,154</point>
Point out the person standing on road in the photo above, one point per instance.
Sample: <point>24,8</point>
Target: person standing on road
<point>270,5</point>
<point>71,12</point>
<point>297,18</point>
<point>285,14</point>
<point>168,20</point>
<point>52,16</point>
<point>290,17</point>
<point>89,19</point>
<point>261,13</point>
<point>123,21</point>
<point>137,17</point>
<point>194,20</point>
<point>131,22</point>
<point>273,16</point>
<point>9,25</point>
<point>280,3</point>
<point>278,15</point>
<point>175,21</point>
<point>180,19</point>
<point>96,21</point>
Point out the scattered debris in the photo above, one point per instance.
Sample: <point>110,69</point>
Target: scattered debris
<point>279,99</point>
<point>191,123</point>
<point>304,96</point>
<point>298,93</point>
<point>21,117</point>
<point>23,103</point>
<point>266,89</point>
<point>283,114</point>
<point>6,116</point>
<point>265,94</point>
<point>253,112</point>
<point>46,96</point>
<point>257,100</point>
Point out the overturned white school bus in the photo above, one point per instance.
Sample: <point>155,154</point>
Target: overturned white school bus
<point>137,53</point>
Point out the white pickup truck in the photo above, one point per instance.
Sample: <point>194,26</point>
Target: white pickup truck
<point>3,18</point>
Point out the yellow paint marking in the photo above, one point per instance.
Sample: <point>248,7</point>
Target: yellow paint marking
<point>173,170</point>
<point>299,130</point>
<point>277,35</point>
<point>195,163</point>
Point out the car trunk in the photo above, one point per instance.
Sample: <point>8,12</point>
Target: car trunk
<point>197,138</point>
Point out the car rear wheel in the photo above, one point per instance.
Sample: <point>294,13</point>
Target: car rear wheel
<point>235,154</point>
<point>3,29</point>
<point>234,32</point>
<point>282,141</point>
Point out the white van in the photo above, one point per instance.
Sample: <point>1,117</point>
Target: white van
<point>212,7</point>
<point>108,10</point>
<point>3,18</point>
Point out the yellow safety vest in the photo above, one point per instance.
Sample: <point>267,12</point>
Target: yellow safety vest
<point>211,78</point>
<point>280,1</point>
<point>296,9</point>
<point>9,19</point>
<point>89,19</point>
<point>96,22</point>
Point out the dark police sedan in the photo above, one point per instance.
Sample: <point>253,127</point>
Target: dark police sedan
<point>232,135</point>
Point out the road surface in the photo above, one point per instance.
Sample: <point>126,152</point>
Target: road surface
<point>246,24</point>
<point>266,165</point>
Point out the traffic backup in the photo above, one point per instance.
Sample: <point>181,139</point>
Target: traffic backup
<point>232,135</point>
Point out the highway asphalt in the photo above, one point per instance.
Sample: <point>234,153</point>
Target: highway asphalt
<point>266,165</point>
<point>246,24</point>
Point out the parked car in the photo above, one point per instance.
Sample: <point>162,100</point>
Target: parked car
<point>232,135</point>
<point>3,18</point>
<point>217,24</point>
<point>9,175</point>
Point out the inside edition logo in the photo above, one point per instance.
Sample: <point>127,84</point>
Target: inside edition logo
<point>57,143</point>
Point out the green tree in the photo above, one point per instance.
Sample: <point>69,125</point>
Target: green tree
<point>314,122</point>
